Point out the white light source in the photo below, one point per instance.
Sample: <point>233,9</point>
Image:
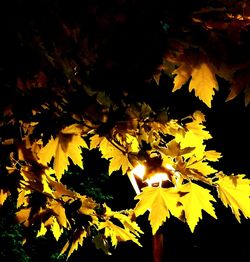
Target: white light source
<point>139,171</point>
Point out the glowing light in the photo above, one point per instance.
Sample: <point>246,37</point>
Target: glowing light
<point>157,178</point>
<point>139,171</point>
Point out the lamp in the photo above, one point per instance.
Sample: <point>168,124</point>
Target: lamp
<point>154,176</point>
<point>142,175</point>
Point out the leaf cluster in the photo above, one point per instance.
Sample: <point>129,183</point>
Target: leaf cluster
<point>75,90</point>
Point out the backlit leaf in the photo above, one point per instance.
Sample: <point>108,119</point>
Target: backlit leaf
<point>234,191</point>
<point>55,228</point>
<point>117,158</point>
<point>202,167</point>
<point>160,202</point>
<point>196,200</point>
<point>3,196</point>
<point>203,80</point>
<point>67,145</point>
<point>78,239</point>
<point>117,233</point>
<point>42,231</point>
<point>23,216</point>
<point>212,155</point>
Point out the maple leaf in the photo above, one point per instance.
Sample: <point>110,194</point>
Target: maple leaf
<point>203,80</point>
<point>133,143</point>
<point>23,216</point>
<point>78,239</point>
<point>117,233</point>
<point>212,155</point>
<point>234,191</point>
<point>196,200</point>
<point>59,212</point>
<point>124,218</point>
<point>117,158</point>
<point>160,202</point>
<point>194,136</point>
<point>55,228</point>
<point>3,196</point>
<point>67,145</point>
<point>23,199</point>
<point>42,231</point>
<point>201,167</point>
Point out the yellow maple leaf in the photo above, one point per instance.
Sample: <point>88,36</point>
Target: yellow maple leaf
<point>125,219</point>
<point>117,233</point>
<point>196,200</point>
<point>203,80</point>
<point>42,231</point>
<point>55,228</point>
<point>78,239</point>
<point>202,167</point>
<point>67,145</point>
<point>95,141</point>
<point>3,196</point>
<point>234,191</point>
<point>160,202</point>
<point>194,136</point>
<point>117,158</point>
<point>212,155</point>
<point>133,143</point>
<point>59,212</point>
<point>88,205</point>
<point>183,73</point>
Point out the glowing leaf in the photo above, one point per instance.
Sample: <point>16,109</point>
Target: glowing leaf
<point>212,155</point>
<point>95,140</point>
<point>160,202</point>
<point>3,196</point>
<point>125,219</point>
<point>42,231</point>
<point>67,145</point>
<point>117,233</point>
<point>117,158</point>
<point>234,191</point>
<point>202,167</point>
<point>55,228</point>
<point>194,137</point>
<point>78,238</point>
<point>133,142</point>
<point>196,200</point>
<point>183,73</point>
<point>87,205</point>
<point>203,80</point>
<point>59,212</point>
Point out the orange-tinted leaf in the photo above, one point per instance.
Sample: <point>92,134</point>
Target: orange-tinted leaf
<point>23,216</point>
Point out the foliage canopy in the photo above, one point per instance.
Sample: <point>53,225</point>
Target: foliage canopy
<point>84,76</point>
